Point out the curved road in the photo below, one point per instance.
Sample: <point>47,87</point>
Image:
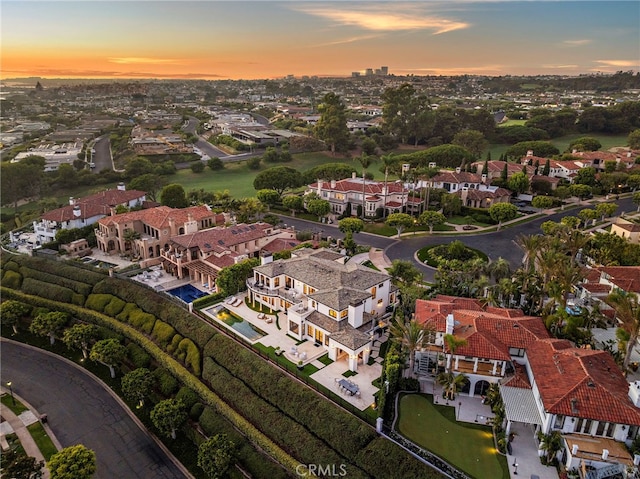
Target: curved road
<point>494,244</point>
<point>80,410</point>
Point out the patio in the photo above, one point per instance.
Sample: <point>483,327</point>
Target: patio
<point>308,352</point>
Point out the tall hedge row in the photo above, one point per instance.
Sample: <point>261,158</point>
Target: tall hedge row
<point>297,440</point>
<point>161,308</point>
<point>60,269</point>
<point>11,279</point>
<point>174,367</point>
<point>255,463</point>
<point>76,286</point>
<point>287,395</point>
<point>51,291</point>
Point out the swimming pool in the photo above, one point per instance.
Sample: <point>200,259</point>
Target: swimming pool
<point>235,322</point>
<point>187,293</point>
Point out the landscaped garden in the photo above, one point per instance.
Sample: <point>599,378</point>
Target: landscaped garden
<point>455,251</point>
<point>468,447</point>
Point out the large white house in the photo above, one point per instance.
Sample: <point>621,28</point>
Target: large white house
<point>85,211</point>
<point>336,304</point>
<point>546,383</point>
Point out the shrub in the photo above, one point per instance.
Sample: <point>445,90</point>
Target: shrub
<point>98,302</point>
<point>196,411</point>
<point>142,321</point>
<point>126,311</point>
<point>11,279</point>
<point>47,290</point>
<point>175,341</point>
<point>76,286</point>
<point>11,266</point>
<point>205,301</point>
<point>115,306</point>
<point>187,396</point>
<point>166,383</point>
<point>138,356</point>
<point>162,333</point>
<point>189,354</point>
<point>72,271</point>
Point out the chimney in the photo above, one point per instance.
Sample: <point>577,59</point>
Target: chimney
<point>574,151</point>
<point>266,257</point>
<point>574,405</point>
<point>605,454</point>
<point>529,152</point>
<point>449,324</point>
<point>333,182</point>
<point>384,191</point>
<point>458,169</point>
<point>319,189</point>
<point>76,211</point>
<point>121,186</point>
<point>484,178</point>
<point>72,200</point>
<point>636,459</point>
<point>574,450</point>
<point>634,393</point>
<point>353,175</point>
<point>112,211</point>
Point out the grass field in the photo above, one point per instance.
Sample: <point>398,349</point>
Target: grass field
<point>468,447</point>
<point>42,440</point>
<point>16,406</point>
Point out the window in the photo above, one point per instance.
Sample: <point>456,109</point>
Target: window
<point>333,314</point>
<point>344,314</point>
<point>313,304</point>
<point>374,290</point>
<point>379,302</point>
<point>517,352</point>
<point>559,422</point>
<point>276,282</point>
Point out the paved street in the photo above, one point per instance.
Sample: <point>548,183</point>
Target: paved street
<point>80,410</point>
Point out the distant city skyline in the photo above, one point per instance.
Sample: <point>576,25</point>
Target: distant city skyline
<point>265,39</point>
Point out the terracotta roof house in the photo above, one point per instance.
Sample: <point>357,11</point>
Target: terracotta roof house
<point>85,211</point>
<point>154,228</point>
<point>200,255</point>
<point>626,229</point>
<point>496,167</point>
<point>544,382</point>
<point>496,337</point>
<point>349,191</point>
<point>337,305</point>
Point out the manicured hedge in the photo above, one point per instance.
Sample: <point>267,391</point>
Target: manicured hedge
<point>126,311</point>
<point>290,397</point>
<point>189,354</point>
<point>61,269</point>
<point>9,265</point>
<point>298,441</point>
<point>98,302</point>
<point>161,308</point>
<point>76,286</point>
<point>383,458</point>
<point>51,291</point>
<point>11,279</point>
<point>162,333</point>
<point>254,462</point>
<point>209,300</point>
<point>209,397</point>
<point>173,345</point>
<point>142,321</point>
<point>115,306</point>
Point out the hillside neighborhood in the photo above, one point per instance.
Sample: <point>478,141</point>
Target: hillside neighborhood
<point>408,276</point>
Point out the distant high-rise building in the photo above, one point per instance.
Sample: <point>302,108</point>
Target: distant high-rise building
<point>384,70</point>
<point>369,72</point>
<point>355,74</point>
<point>378,71</point>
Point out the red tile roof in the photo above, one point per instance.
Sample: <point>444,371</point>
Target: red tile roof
<point>453,177</point>
<point>220,239</point>
<point>626,278</point>
<point>94,205</point>
<point>160,217</point>
<point>581,382</point>
<point>519,378</point>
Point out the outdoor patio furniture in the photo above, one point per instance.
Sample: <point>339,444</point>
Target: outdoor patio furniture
<point>350,387</point>
<point>303,356</point>
<point>261,316</point>
<point>230,300</point>
<point>268,320</point>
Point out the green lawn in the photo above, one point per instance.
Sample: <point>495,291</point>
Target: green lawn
<point>42,440</point>
<point>16,406</point>
<point>468,447</point>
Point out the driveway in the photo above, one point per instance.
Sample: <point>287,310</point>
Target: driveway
<point>81,410</point>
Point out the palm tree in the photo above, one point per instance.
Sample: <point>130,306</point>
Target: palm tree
<point>500,269</point>
<point>453,344</point>
<point>530,244</point>
<point>387,161</point>
<point>628,311</point>
<point>365,162</point>
<point>451,383</point>
<point>410,336</point>
<point>551,444</point>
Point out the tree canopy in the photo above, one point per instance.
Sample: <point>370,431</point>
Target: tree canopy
<point>332,125</point>
<point>278,178</point>
<point>74,462</point>
<point>174,196</point>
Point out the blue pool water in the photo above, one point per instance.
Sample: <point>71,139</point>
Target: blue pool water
<point>187,293</point>
<point>235,322</point>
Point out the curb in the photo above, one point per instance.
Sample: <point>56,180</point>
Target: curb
<point>117,398</point>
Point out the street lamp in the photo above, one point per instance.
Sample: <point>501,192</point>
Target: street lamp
<point>13,399</point>
<point>515,467</point>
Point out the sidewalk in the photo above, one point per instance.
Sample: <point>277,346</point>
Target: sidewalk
<point>18,425</point>
<point>379,259</point>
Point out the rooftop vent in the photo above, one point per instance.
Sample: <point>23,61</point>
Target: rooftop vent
<point>574,406</point>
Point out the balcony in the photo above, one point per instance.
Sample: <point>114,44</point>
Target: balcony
<point>290,295</point>
<point>484,369</point>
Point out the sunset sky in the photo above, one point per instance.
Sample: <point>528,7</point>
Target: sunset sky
<point>265,39</point>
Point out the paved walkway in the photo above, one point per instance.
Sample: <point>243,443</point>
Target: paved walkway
<point>18,424</point>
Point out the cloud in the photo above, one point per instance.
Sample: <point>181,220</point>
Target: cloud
<point>559,66</point>
<point>143,60</point>
<point>619,63</point>
<point>384,18</point>
<point>346,40</point>
<point>576,43</point>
